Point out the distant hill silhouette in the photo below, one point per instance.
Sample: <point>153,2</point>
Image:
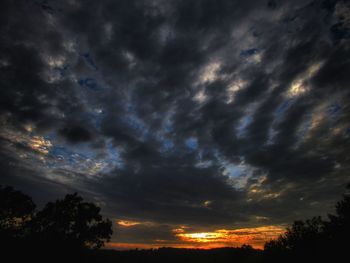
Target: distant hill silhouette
<point>71,230</point>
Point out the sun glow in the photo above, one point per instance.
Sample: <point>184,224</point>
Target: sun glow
<point>202,237</point>
<point>255,237</point>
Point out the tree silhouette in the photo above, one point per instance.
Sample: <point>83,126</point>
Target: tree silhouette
<point>65,229</point>
<point>16,209</point>
<point>71,221</point>
<point>314,238</point>
<point>337,229</point>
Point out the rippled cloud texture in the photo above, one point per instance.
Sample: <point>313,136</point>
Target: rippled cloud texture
<point>184,120</point>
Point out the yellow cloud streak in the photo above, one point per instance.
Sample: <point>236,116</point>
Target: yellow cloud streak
<point>127,223</point>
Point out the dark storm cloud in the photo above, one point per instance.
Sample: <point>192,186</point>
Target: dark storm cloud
<point>209,113</point>
<point>76,134</point>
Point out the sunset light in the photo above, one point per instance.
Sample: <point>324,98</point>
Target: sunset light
<point>126,223</point>
<point>255,237</point>
<point>215,126</point>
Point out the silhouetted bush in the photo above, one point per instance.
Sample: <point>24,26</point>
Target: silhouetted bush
<point>314,238</point>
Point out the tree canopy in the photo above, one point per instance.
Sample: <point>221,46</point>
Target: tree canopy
<point>15,209</point>
<point>71,221</point>
<point>65,223</point>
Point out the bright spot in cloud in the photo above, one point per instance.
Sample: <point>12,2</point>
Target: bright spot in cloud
<point>233,88</point>
<point>200,96</point>
<point>209,73</point>
<point>39,144</point>
<point>57,61</point>
<point>128,223</point>
<point>207,203</point>
<point>299,86</point>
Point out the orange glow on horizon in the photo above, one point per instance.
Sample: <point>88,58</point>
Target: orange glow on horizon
<point>256,237</point>
<point>202,237</point>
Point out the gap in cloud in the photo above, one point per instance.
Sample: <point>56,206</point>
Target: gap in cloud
<point>252,55</point>
<point>278,117</point>
<point>89,60</point>
<point>237,174</point>
<point>246,120</point>
<point>192,143</point>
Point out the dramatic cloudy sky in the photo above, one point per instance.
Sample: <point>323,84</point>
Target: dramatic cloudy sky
<point>191,123</point>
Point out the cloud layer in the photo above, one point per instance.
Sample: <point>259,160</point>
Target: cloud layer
<point>205,114</point>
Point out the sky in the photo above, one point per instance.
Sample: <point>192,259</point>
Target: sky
<point>190,123</point>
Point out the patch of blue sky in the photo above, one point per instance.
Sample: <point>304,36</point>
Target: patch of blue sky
<point>60,156</point>
<point>89,83</point>
<point>243,124</point>
<point>334,110</point>
<point>237,174</point>
<point>168,125</point>
<point>347,132</point>
<point>114,158</point>
<point>63,70</point>
<point>203,163</point>
<point>95,115</point>
<point>282,109</point>
<point>130,108</point>
<point>246,120</point>
<point>249,52</point>
<point>89,60</point>
<point>252,55</point>
<point>167,144</point>
<point>84,159</point>
<point>131,105</point>
<point>98,118</point>
<point>284,106</point>
<point>232,170</point>
<point>278,117</point>
<point>72,155</point>
<point>303,129</point>
<point>192,143</point>
<point>136,124</point>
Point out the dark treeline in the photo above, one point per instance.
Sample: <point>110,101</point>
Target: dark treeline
<point>71,230</point>
<point>315,239</point>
